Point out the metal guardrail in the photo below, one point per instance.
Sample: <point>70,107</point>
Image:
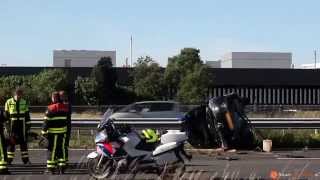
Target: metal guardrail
<point>85,123</point>
<point>286,123</point>
<point>175,123</point>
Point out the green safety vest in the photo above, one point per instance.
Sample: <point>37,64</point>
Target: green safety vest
<point>16,114</point>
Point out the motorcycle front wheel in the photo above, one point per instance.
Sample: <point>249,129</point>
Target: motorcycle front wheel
<point>100,167</point>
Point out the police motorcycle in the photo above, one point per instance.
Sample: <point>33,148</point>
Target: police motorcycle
<point>101,162</point>
<point>222,122</point>
<point>122,150</point>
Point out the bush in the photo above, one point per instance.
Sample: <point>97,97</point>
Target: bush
<point>37,88</point>
<point>291,138</point>
<point>86,90</point>
<point>47,81</point>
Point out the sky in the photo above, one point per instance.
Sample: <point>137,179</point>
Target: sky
<point>30,30</point>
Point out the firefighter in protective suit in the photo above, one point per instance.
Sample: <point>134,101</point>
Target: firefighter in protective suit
<point>3,147</point>
<point>55,128</point>
<point>64,100</point>
<point>18,126</point>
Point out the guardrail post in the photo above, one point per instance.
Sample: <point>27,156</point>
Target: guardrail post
<point>78,136</point>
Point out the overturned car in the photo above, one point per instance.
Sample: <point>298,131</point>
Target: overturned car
<point>221,122</point>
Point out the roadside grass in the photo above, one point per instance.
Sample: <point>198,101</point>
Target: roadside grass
<point>85,114</point>
<point>80,139</point>
<point>281,139</point>
<point>291,138</point>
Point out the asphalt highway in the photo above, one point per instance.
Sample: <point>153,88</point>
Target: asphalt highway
<point>204,165</point>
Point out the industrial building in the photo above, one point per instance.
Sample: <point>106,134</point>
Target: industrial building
<point>80,58</point>
<point>310,66</point>
<point>214,64</point>
<point>262,60</point>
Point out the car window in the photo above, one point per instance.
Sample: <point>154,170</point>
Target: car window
<point>162,107</point>
<point>141,107</point>
<point>127,108</point>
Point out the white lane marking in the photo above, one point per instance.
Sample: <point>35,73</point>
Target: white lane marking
<point>317,158</point>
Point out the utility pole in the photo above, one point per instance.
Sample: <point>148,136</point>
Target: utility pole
<point>315,59</point>
<point>315,67</point>
<point>127,64</point>
<point>131,50</point>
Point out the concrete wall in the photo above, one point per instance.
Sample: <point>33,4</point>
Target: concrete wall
<point>80,58</point>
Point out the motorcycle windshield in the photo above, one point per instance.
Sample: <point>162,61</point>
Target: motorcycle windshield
<point>105,118</point>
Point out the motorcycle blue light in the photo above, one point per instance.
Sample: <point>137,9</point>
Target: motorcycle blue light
<point>101,137</point>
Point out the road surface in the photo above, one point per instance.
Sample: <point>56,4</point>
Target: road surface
<point>204,165</point>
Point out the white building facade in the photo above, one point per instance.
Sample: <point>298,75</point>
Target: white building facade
<point>80,58</point>
<point>257,60</point>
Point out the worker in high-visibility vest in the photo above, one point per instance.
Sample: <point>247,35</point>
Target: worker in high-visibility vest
<point>3,147</point>
<point>18,126</point>
<point>55,128</point>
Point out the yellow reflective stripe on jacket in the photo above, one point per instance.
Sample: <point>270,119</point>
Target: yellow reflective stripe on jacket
<point>56,118</point>
<point>16,112</point>
<point>15,118</point>
<point>51,165</point>
<point>1,151</point>
<point>57,130</point>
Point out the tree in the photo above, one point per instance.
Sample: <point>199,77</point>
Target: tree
<point>194,86</point>
<point>148,79</point>
<point>179,65</point>
<point>86,90</point>
<point>106,78</point>
<point>186,76</point>
<point>47,81</point>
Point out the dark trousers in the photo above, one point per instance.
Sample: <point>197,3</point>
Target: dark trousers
<point>3,154</point>
<point>18,138</point>
<point>56,150</point>
<point>66,145</point>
